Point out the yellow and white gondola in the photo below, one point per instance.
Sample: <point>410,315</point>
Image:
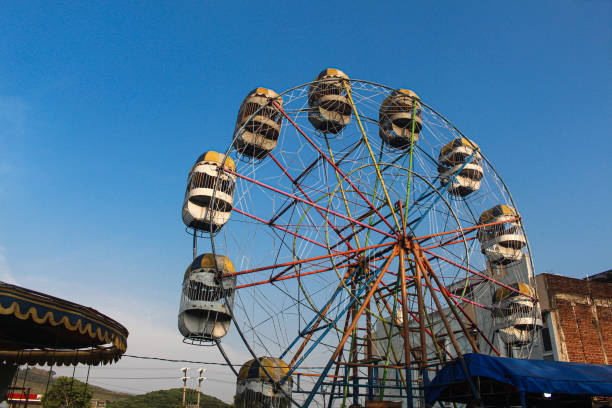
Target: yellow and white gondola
<point>503,242</point>
<point>199,212</point>
<point>204,313</point>
<point>460,167</point>
<point>255,389</point>
<point>516,320</point>
<point>258,124</point>
<point>399,119</point>
<point>329,108</point>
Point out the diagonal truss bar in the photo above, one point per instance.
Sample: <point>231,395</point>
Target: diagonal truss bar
<point>415,318</point>
<point>459,241</point>
<point>449,330</point>
<point>478,274</point>
<point>463,231</point>
<point>359,229</point>
<point>334,228</point>
<point>351,328</point>
<point>371,258</point>
<point>346,205</point>
<point>306,260</point>
<point>302,274</point>
<point>405,213</point>
<point>421,305</point>
<point>447,326</point>
<point>338,362</point>
<point>422,261</point>
<point>317,319</point>
<point>344,176</point>
<point>367,142</point>
<point>311,166</point>
<point>295,234</point>
<point>342,312</point>
<point>406,329</point>
<point>448,294</point>
<point>437,290</point>
<point>303,174</point>
<point>276,190</point>
<point>388,333</point>
<point>350,273</point>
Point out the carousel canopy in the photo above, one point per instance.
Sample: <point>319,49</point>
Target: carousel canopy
<point>38,328</point>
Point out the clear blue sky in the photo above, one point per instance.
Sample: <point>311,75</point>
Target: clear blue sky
<point>103,109</point>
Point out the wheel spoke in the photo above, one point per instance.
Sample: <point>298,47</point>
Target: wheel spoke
<point>329,161</point>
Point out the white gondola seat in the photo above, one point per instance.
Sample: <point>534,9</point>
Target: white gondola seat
<point>254,388</point>
<point>460,167</point>
<point>258,124</point>
<point>203,313</point>
<point>501,243</point>
<point>515,314</point>
<point>198,210</point>
<point>399,119</point>
<point>329,109</point>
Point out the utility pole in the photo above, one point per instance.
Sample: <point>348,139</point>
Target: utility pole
<point>200,379</point>
<point>184,378</point>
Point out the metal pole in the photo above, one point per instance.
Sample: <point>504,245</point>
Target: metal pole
<point>448,327</point>
<point>369,350</point>
<point>195,244</point>
<point>199,388</point>
<point>340,346</point>
<point>184,378</point>
<point>450,303</point>
<point>406,329</point>
<point>200,379</point>
<point>354,356</point>
<point>421,303</point>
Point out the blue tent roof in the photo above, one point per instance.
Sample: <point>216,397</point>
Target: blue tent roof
<point>528,376</point>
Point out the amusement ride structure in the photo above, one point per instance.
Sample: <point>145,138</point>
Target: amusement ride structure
<point>358,241</point>
<point>39,329</point>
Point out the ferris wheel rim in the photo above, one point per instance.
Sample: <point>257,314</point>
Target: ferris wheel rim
<point>506,190</point>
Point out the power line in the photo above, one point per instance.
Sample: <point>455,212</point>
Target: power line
<point>130,378</point>
<point>178,361</point>
<point>149,378</point>
<point>198,362</point>
<point>134,368</point>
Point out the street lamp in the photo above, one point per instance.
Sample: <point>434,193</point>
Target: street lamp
<point>200,379</point>
<point>184,378</point>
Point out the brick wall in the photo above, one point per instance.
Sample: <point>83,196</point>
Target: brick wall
<point>581,313</point>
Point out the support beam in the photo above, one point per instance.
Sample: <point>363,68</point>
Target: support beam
<point>406,328</point>
<point>352,326</point>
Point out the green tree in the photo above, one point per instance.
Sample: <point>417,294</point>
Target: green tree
<point>67,393</point>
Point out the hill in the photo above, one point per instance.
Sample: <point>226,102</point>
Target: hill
<point>168,399</point>
<point>37,379</point>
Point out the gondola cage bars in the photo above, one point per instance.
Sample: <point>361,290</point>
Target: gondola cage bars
<point>204,313</point>
<point>207,180</point>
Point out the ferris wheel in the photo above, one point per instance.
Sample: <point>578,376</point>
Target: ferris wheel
<point>358,241</point>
